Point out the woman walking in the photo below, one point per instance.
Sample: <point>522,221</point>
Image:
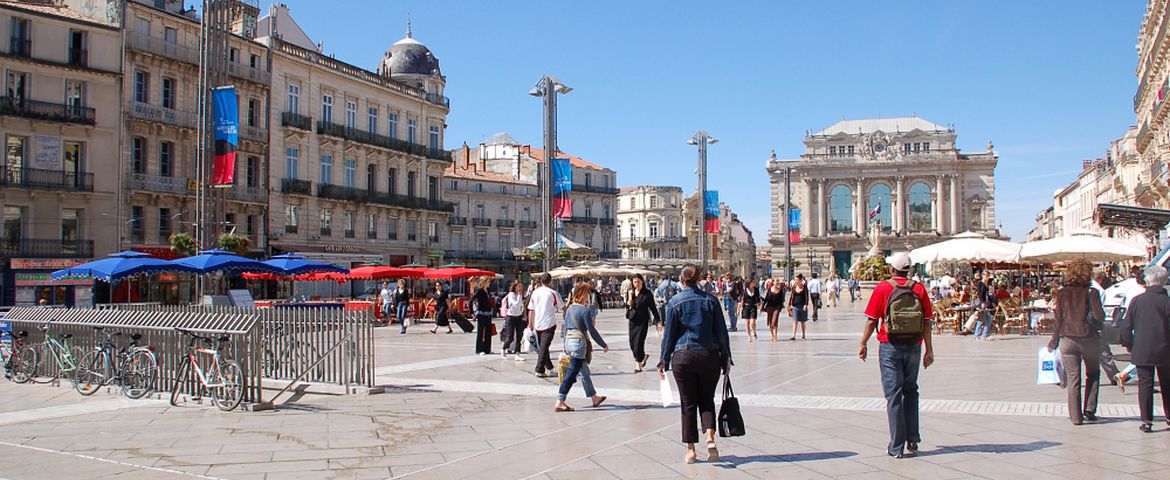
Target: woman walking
<point>696,347</point>
<point>579,318</point>
<point>773,304</point>
<point>1079,341</point>
<point>798,306</point>
<point>513,310</point>
<point>481,307</point>
<point>639,309</point>
<point>401,298</point>
<point>749,308</point>
<point>442,298</point>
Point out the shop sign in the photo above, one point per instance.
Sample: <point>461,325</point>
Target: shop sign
<point>340,249</point>
<point>436,252</point>
<point>43,263</point>
<point>38,279</point>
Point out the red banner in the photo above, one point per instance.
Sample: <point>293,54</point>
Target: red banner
<point>562,207</point>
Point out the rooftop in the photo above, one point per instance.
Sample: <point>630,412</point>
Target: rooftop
<point>476,174</point>
<point>888,125</point>
<point>538,155</point>
<point>97,17</point>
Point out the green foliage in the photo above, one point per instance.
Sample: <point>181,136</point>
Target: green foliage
<point>783,263</point>
<point>235,243</point>
<point>872,269</point>
<point>183,244</point>
<point>564,255</point>
<point>536,255</point>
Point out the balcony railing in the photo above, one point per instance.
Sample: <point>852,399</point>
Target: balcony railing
<point>595,189</point>
<point>296,120</point>
<point>246,72</point>
<point>157,46</point>
<point>372,235</point>
<point>590,220</point>
<point>326,232</point>
<point>49,111</point>
<point>505,223</point>
<point>528,224</point>
<point>46,179</point>
<point>378,140</point>
<point>255,134</point>
<point>45,248</point>
<point>157,183</point>
<point>19,46</point>
<point>433,239</point>
<point>155,113</point>
<point>241,193</point>
<point>439,100</point>
<point>349,234</point>
<point>392,236</point>
<point>295,186</point>
<point>659,239</point>
<point>457,221</point>
<point>351,194</point>
<point>481,222</point>
<point>480,254</point>
<point>79,57</point>
<point>290,229</point>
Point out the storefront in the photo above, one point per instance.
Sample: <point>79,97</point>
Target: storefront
<point>26,283</point>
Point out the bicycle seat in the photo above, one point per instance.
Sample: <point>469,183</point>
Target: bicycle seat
<point>22,333</point>
<point>135,336</point>
<point>99,328</point>
<point>67,335</point>
<point>224,338</point>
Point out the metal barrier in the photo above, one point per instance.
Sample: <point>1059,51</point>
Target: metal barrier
<point>330,346</point>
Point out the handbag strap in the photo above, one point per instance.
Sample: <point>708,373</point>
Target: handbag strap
<point>727,391</point>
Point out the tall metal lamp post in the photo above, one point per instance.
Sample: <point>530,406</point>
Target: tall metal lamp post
<point>548,87</point>
<point>702,139</point>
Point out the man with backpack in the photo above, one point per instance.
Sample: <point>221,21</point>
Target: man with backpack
<point>900,311</point>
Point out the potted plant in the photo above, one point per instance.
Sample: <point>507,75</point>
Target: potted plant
<point>235,243</point>
<point>183,244</point>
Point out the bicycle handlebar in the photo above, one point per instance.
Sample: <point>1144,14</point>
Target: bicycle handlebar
<point>195,336</point>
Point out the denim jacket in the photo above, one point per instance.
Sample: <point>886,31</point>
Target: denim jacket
<point>694,320</point>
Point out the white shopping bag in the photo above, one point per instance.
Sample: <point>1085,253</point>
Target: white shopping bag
<point>667,394</point>
<point>1049,369</point>
<point>528,343</point>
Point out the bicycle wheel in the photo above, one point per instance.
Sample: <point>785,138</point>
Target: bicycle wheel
<point>181,375</point>
<point>23,364</point>
<point>92,372</point>
<point>229,396</point>
<point>46,369</point>
<point>139,374</point>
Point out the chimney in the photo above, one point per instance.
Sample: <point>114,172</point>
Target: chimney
<point>1086,164</point>
<point>466,156</point>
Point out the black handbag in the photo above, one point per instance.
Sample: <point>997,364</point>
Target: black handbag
<point>730,418</point>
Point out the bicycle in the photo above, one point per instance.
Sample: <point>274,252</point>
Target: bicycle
<point>223,378</point>
<point>134,367</point>
<point>294,355</point>
<point>55,357</point>
<point>19,359</point>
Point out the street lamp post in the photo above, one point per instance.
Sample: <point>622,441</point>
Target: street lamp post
<point>702,139</point>
<point>548,87</point>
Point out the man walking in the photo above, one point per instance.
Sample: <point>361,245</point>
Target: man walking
<point>1146,334</point>
<point>731,297</point>
<point>542,307</point>
<point>666,290</point>
<point>814,295</point>
<point>900,311</point>
<point>854,288</point>
<point>386,296</point>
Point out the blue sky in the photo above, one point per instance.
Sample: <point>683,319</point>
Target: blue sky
<point>1049,82</point>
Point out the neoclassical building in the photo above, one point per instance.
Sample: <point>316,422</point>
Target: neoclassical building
<point>907,170</point>
<point>650,222</point>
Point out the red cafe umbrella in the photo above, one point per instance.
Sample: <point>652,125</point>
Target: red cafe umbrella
<point>322,276</point>
<point>382,272</point>
<point>262,276</point>
<point>453,273</point>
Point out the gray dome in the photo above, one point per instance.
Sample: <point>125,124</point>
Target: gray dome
<point>409,57</point>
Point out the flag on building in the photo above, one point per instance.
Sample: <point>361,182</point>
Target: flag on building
<point>876,210</point>
<point>711,212</point>
<point>794,225</point>
<point>226,115</point>
<point>562,172</point>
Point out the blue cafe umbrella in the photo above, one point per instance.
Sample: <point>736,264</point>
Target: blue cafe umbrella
<point>116,267</point>
<point>292,264</point>
<point>215,260</point>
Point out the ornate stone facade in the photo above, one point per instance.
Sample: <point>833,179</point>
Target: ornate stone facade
<point>906,171</point>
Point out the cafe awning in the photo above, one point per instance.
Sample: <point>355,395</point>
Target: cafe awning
<point>339,254</point>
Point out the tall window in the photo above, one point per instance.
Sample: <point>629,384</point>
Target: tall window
<point>919,207</point>
<point>350,114</point>
<point>373,119</point>
<point>879,195</point>
<point>349,225</point>
<point>653,200</point>
<point>433,138</point>
<point>136,224</point>
<point>141,86</point>
<point>253,112</point>
<point>250,226</point>
<point>372,177</point>
<point>605,210</point>
<point>291,212</point>
<point>294,98</point>
<point>71,225</point>
<point>326,107</point>
<point>166,159</point>
<point>392,181</point>
<point>74,162</point>
<point>75,96</point>
<point>326,221</point>
<point>433,187</point>
<point>350,172</point>
<point>633,229</point>
<point>392,231</point>
<point>326,169</point>
<point>138,155</point>
<point>479,211</point>
<point>589,208</point>
<point>21,38</point>
<point>411,130</point>
<point>252,172</point>
<point>410,184</point>
<point>411,230</point>
<point>976,217</point>
<point>164,224</point>
<point>392,129</point>
<point>292,157</point>
<point>168,92</point>
<point>13,223</point>
<point>16,154</point>
<point>925,147</point>
<point>372,226</point>
<point>17,86</point>
<point>840,209</point>
<point>653,229</point>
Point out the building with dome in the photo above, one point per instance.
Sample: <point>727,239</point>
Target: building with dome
<point>905,175</point>
<point>357,154</point>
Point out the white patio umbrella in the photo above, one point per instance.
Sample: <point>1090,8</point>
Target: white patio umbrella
<point>1082,246</point>
<point>967,247</point>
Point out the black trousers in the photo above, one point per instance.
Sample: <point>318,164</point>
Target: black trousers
<point>1146,390</point>
<point>544,340</point>
<point>638,332</point>
<point>483,333</point>
<point>697,375</point>
<point>514,334</point>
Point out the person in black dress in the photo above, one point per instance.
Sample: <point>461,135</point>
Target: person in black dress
<point>773,304</point>
<point>750,303</point>
<point>481,306</point>
<point>442,297</point>
<point>640,304</point>
<point>798,306</point>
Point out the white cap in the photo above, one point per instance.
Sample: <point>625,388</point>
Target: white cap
<point>899,261</point>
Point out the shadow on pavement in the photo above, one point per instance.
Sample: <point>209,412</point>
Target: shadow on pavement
<point>990,448</point>
<point>733,461</point>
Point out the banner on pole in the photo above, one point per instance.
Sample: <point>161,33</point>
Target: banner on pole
<point>562,172</point>
<point>225,113</point>
<point>711,212</point>
<point>794,225</point>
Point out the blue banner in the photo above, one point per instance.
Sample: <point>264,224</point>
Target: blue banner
<point>711,211</point>
<point>226,119</point>
<point>794,219</point>
<point>562,172</point>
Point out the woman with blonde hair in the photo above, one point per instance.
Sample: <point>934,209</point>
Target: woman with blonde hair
<point>513,312</point>
<point>1079,316</point>
<point>579,329</point>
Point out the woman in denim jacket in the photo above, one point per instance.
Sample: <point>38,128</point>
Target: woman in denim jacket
<point>696,346</point>
<point>578,328</point>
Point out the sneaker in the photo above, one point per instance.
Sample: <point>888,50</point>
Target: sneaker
<point>895,455</point>
<point>1090,416</point>
<point>519,358</point>
<point>541,375</point>
<point>1146,428</point>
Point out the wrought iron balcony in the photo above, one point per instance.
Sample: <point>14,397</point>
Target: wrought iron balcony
<point>590,220</point>
<point>372,235</point>
<point>290,229</point>
<point>457,221</point>
<point>78,57</point>
<point>255,134</point>
<point>527,223</point>
<point>241,193</point>
<point>349,234</point>
<point>246,72</point>
<point>481,222</point>
<point>296,120</point>
<point>326,232</point>
<point>595,189</point>
<point>505,223</point>
<point>20,46</point>
<point>157,46</point>
<point>48,111</point>
<point>45,248</point>
<point>158,183</point>
<point>155,113</point>
<point>35,178</point>
<point>295,186</point>
<point>439,100</point>
<point>351,194</point>
<point>378,140</point>
<point>480,254</point>
<point>655,239</point>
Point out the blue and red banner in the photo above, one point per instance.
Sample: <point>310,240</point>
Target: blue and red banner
<point>794,225</point>
<point>226,113</point>
<point>711,211</point>
<point>562,172</point>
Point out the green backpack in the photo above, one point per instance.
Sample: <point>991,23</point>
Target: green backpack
<point>904,319</point>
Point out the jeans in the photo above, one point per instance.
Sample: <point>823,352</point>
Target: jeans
<point>483,333</point>
<point>514,334</point>
<point>729,305</point>
<point>899,365</point>
<point>402,315</point>
<point>386,312</point>
<point>638,332</point>
<point>983,325</point>
<point>576,366</point>
<point>544,339</point>
<point>697,374</point>
<point>1146,390</point>
<point>1074,351</point>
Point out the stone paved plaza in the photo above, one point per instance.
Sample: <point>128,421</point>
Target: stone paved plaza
<point>813,411</point>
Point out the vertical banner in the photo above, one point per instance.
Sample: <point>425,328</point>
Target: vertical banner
<point>226,114</point>
<point>794,225</point>
<point>711,212</point>
<point>562,172</point>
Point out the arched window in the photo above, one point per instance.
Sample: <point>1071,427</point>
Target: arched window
<point>919,211</point>
<point>841,209</point>
<point>879,195</point>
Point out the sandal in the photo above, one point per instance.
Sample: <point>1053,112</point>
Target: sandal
<point>565,408</point>
<point>690,458</point>
<point>599,401</point>
<point>712,452</point>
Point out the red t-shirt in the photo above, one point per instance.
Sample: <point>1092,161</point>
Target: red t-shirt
<point>881,298</point>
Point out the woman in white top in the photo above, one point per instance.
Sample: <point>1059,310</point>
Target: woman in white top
<point>513,310</point>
